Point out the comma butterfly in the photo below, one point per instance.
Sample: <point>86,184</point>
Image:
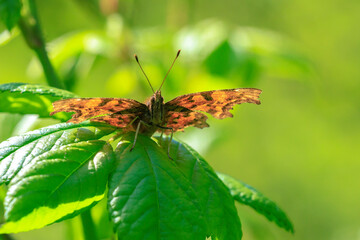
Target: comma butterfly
<point>155,115</point>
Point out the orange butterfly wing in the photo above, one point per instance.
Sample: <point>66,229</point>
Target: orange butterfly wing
<point>218,103</point>
<point>118,112</point>
<point>182,117</point>
<point>182,111</point>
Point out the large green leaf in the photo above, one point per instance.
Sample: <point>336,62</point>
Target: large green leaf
<point>18,151</point>
<point>247,195</point>
<point>66,173</point>
<point>149,197</point>
<point>217,203</point>
<point>10,12</point>
<point>32,99</point>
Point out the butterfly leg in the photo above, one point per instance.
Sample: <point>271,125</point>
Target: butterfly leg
<point>136,135</point>
<point>137,132</point>
<point>171,137</point>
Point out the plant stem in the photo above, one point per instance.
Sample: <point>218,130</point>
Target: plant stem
<point>49,71</point>
<point>31,30</point>
<point>88,226</point>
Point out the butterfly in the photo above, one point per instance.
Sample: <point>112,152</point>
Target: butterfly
<point>156,115</point>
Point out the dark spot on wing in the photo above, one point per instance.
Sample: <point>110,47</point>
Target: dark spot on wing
<point>212,111</point>
<point>104,102</point>
<point>207,96</point>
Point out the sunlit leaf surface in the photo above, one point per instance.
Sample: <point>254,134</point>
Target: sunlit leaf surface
<point>150,198</point>
<point>18,151</point>
<point>54,172</point>
<point>32,99</point>
<point>216,201</point>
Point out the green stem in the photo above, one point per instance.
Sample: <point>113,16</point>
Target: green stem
<point>49,70</point>
<point>31,30</point>
<point>88,226</point>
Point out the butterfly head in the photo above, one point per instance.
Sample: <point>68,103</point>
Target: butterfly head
<point>156,100</point>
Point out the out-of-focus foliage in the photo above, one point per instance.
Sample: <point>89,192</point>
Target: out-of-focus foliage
<point>10,12</point>
<point>7,36</point>
<point>300,147</point>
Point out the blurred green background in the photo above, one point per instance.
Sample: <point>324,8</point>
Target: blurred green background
<point>300,147</point>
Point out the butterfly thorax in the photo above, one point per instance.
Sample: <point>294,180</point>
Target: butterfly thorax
<point>156,109</point>
<point>155,117</point>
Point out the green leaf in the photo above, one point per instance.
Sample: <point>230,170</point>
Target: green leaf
<point>199,40</point>
<point>247,195</point>
<point>32,99</point>
<point>6,36</point>
<point>268,52</point>
<point>19,151</point>
<point>248,67</point>
<point>74,53</point>
<point>57,172</point>
<point>221,60</point>
<point>149,197</point>
<point>217,203</point>
<point>10,12</point>
<point>56,184</point>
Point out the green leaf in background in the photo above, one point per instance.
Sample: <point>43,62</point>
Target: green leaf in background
<point>248,68</point>
<point>32,99</point>
<point>247,195</point>
<point>10,12</point>
<point>241,52</point>
<point>269,53</point>
<point>66,173</point>
<point>199,40</point>
<point>221,60</point>
<point>149,197</point>
<point>19,151</point>
<point>75,48</point>
<point>74,43</point>
<point>6,36</point>
<point>217,204</point>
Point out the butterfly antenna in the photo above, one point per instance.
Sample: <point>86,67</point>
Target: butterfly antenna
<point>137,60</point>
<point>177,55</point>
